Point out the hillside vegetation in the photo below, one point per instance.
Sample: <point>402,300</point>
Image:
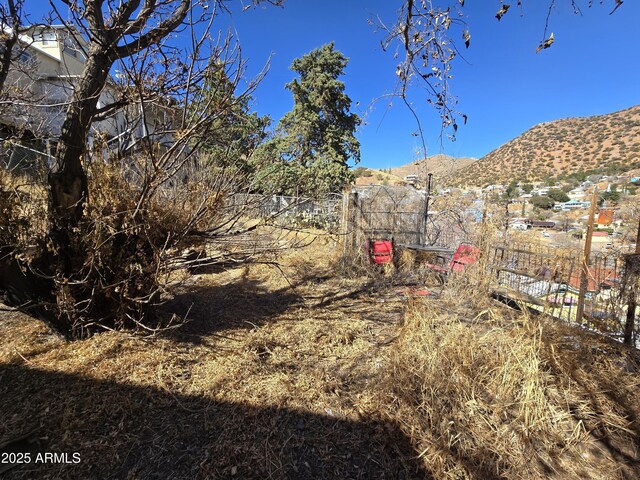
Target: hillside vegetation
<point>372,176</point>
<point>608,142</point>
<point>440,165</point>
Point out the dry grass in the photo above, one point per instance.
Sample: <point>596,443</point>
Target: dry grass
<point>317,376</point>
<point>486,393</point>
<point>264,382</point>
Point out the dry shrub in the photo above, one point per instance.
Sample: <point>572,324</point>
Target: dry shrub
<point>23,214</point>
<point>130,234</point>
<point>121,255</point>
<point>494,398</point>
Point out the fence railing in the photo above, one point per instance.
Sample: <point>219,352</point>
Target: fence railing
<point>293,211</point>
<point>549,280</point>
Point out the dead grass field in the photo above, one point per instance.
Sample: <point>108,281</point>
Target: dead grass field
<point>320,375</point>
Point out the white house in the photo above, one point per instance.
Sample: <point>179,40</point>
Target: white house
<point>52,62</point>
<point>576,193</point>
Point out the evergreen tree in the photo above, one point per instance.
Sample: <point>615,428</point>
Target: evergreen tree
<point>314,142</point>
<point>233,133</point>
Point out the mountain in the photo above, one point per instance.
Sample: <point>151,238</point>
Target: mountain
<point>440,165</point>
<point>608,142</point>
<point>371,176</point>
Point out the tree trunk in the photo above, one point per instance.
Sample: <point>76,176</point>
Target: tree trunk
<point>69,188</point>
<point>67,179</point>
<point>12,23</point>
<point>5,60</point>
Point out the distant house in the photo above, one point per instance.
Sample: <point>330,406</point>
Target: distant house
<point>573,205</point>
<point>605,217</point>
<point>576,193</point>
<point>54,59</point>
<point>541,191</point>
<point>597,279</point>
<point>542,224</point>
<point>523,226</point>
<point>600,237</point>
<point>412,179</point>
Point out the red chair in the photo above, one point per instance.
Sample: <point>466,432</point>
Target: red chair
<point>464,256</point>
<point>380,252</point>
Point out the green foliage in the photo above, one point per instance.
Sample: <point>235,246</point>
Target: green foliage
<point>360,172</point>
<point>232,133</point>
<point>558,195</point>
<point>542,201</point>
<point>314,141</point>
<point>612,195</point>
<point>527,187</point>
<point>511,191</point>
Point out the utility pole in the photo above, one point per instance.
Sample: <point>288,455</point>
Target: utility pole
<point>426,207</point>
<point>631,275</point>
<point>586,259</point>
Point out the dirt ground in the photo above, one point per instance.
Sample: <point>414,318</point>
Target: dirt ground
<point>296,369</point>
<point>271,378</point>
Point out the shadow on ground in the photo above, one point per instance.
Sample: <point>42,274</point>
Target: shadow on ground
<point>137,432</point>
<point>246,303</point>
<point>242,304</point>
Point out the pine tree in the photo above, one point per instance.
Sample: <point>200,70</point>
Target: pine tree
<point>233,132</point>
<point>314,142</point>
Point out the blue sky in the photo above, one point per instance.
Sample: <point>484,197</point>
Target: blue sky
<point>503,86</point>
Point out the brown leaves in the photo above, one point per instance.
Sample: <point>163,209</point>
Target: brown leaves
<point>503,10</point>
<point>546,43</point>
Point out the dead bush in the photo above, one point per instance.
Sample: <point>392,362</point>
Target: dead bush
<point>484,395</point>
<point>123,252</point>
<point>23,214</point>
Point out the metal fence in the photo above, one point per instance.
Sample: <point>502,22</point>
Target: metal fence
<point>24,157</point>
<point>549,280</point>
<point>383,212</point>
<point>291,211</point>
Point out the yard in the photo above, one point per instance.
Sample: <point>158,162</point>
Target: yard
<point>318,372</point>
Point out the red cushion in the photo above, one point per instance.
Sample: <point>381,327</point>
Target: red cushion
<point>380,251</point>
<point>465,255</point>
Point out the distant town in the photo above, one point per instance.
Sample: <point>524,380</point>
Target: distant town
<point>553,213</point>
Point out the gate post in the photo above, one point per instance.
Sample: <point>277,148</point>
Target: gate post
<point>584,276</point>
<point>349,206</point>
<point>632,277</point>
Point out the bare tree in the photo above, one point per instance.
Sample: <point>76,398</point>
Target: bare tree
<point>125,31</point>
<point>425,38</point>
<point>11,26</point>
<point>117,226</point>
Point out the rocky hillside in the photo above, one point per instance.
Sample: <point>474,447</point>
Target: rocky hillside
<point>609,142</point>
<point>440,165</point>
<point>371,176</point>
